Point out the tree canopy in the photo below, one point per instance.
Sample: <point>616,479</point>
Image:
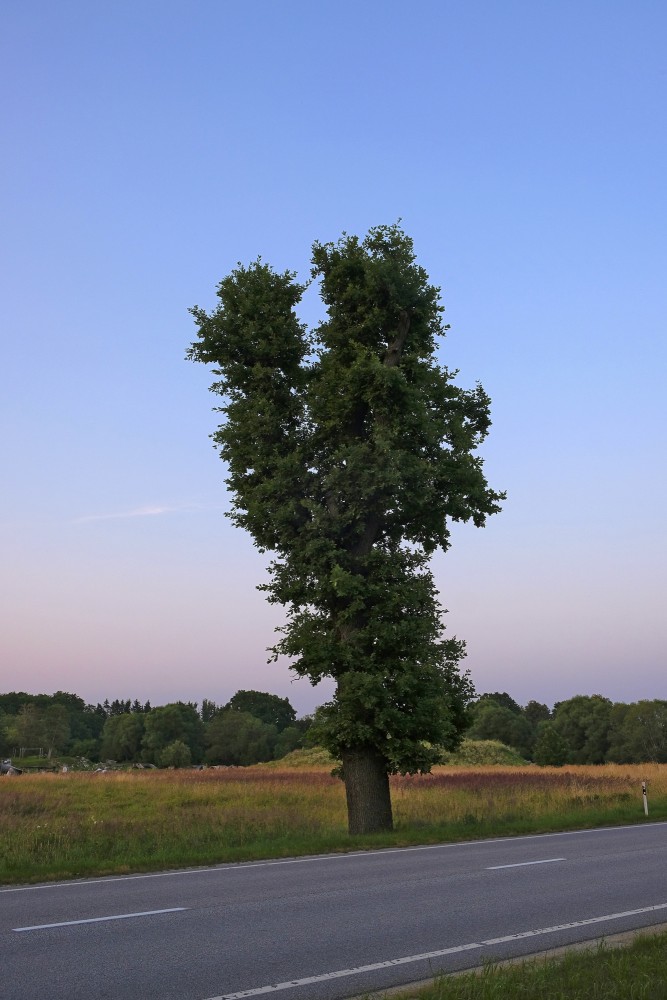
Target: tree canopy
<point>350,451</point>
<point>495,722</point>
<point>583,723</point>
<point>239,738</point>
<point>174,722</point>
<point>269,708</point>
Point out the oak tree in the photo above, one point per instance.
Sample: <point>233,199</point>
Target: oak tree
<point>350,451</point>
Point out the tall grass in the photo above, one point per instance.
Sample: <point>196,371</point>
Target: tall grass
<point>514,800</point>
<point>65,825</point>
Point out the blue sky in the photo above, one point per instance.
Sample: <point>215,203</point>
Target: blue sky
<point>149,146</point>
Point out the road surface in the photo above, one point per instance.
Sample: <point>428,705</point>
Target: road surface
<point>328,927</point>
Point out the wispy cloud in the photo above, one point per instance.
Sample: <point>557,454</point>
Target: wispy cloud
<point>153,510</point>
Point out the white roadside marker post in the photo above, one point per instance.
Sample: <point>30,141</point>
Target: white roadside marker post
<point>644,796</point>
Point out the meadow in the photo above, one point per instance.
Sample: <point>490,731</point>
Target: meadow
<point>80,824</point>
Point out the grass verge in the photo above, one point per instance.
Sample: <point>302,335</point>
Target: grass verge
<point>59,826</point>
<point>637,971</point>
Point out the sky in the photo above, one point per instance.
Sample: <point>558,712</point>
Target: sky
<point>150,146</point>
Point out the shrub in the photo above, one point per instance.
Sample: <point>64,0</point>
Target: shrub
<point>480,752</point>
<point>176,754</point>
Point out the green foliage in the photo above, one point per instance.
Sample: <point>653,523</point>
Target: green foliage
<point>55,727</point>
<point>238,738</point>
<point>268,708</point>
<point>176,721</point>
<point>306,758</point>
<point>582,723</point>
<point>208,710</point>
<point>536,712</point>
<point>288,740</point>
<point>550,749</point>
<point>4,734</point>
<point>638,732</point>
<point>478,753</point>
<point>49,720</point>
<point>46,727</point>
<point>176,754</point>
<point>89,749</point>
<point>349,453</point>
<point>494,722</point>
<point>501,698</point>
<point>27,729</point>
<point>588,729</point>
<point>122,736</point>
<point>12,701</point>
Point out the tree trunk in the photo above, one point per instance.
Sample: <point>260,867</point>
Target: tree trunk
<point>367,791</point>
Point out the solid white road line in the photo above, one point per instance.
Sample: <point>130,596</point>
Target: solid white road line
<point>341,973</point>
<point>97,920</point>
<point>309,859</point>
<point>523,864</point>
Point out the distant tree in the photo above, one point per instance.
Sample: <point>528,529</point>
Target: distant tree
<point>10,737</point>
<point>12,701</point>
<point>583,723</point>
<point>86,725</point>
<point>55,728</point>
<point>81,718</point>
<point>239,739</point>
<point>618,752</point>
<point>501,698</point>
<point>304,723</point>
<point>495,722</point>
<point>72,702</point>
<point>176,721</point>
<point>95,719</point>
<point>208,710</point>
<point>536,712</point>
<point>4,733</point>
<point>90,749</point>
<point>47,727</point>
<point>269,708</point>
<point>122,736</point>
<point>550,749</point>
<point>176,754</point>
<point>350,453</point>
<point>288,739</point>
<point>29,726</point>
<point>119,707</point>
<point>638,733</point>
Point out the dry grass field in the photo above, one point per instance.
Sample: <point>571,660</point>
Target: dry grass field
<point>74,824</point>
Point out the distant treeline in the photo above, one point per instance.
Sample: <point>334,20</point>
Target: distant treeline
<point>254,726</point>
<point>586,729</point>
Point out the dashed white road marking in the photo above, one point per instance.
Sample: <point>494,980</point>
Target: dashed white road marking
<point>375,966</point>
<point>98,920</point>
<point>524,864</point>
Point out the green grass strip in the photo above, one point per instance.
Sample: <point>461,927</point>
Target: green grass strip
<point>637,971</point>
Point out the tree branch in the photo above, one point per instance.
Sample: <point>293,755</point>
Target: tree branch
<point>395,349</point>
<point>391,359</point>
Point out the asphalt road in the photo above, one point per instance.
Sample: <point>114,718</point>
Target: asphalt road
<point>327,927</point>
